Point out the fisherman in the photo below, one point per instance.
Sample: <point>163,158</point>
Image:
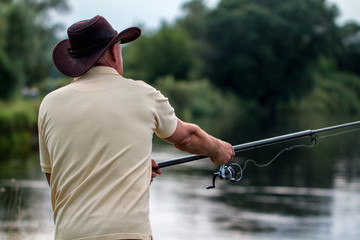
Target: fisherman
<point>95,137</point>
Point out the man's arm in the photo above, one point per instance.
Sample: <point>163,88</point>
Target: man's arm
<point>191,138</point>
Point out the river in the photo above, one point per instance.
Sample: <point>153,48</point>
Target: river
<point>307,193</point>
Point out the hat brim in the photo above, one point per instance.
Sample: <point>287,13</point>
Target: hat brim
<point>76,66</point>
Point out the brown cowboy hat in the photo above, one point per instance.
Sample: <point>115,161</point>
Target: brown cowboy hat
<point>88,40</point>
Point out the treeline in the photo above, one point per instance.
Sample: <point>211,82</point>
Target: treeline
<point>274,56</point>
<point>264,57</point>
<point>27,37</point>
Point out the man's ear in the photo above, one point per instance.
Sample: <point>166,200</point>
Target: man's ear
<point>114,53</point>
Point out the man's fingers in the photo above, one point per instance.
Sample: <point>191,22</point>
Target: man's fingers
<point>155,165</point>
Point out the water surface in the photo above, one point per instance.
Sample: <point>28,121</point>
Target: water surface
<point>310,193</point>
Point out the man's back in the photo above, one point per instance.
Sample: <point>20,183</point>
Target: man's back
<point>95,139</point>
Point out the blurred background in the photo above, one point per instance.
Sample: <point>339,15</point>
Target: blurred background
<point>241,69</point>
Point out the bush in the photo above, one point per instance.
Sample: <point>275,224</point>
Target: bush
<point>202,103</point>
<point>8,79</point>
<point>18,121</point>
<point>335,92</point>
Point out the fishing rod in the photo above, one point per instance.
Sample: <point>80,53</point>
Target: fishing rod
<point>230,170</point>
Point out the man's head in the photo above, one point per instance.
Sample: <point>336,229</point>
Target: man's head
<point>88,41</point>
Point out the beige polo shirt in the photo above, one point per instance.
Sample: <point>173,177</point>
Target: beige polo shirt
<point>95,138</point>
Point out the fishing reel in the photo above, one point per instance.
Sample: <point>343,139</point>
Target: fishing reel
<point>227,171</point>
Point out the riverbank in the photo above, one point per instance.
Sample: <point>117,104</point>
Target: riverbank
<point>18,127</point>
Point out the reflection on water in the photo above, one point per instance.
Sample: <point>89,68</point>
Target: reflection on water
<point>305,194</point>
<point>25,211</point>
<point>183,209</point>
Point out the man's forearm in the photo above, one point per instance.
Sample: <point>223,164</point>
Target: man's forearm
<point>199,142</point>
<point>191,138</point>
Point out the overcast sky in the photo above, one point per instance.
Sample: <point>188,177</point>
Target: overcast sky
<point>122,14</point>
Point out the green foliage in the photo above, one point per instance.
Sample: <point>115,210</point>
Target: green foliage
<point>349,56</point>
<point>155,55</point>
<point>27,41</point>
<point>263,49</point>
<point>200,102</point>
<point>195,19</point>
<point>335,92</point>
<point>7,77</point>
<point>195,25</point>
<point>18,121</point>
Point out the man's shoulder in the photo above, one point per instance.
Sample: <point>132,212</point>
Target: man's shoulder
<point>55,94</point>
<point>140,84</point>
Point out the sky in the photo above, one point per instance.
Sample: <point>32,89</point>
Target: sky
<point>122,14</point>
<point>150,13</point>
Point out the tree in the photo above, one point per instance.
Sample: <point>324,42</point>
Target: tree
<point>154,55</point>
<point>7,77</point>
<point>27,41</point>
<point>263,49</point>
<point>194,20</point>
<point>349,56</point>
<point>194,23</point>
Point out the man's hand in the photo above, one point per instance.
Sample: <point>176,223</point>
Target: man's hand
<point>225,153</point>
<point>154,171</point>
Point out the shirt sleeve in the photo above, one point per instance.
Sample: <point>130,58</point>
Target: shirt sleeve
<point>166,120</point>
<point>43,150</point>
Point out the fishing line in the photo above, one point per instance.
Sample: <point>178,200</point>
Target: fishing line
<point>234,171</point>
<point>348,131</point>
<point>343,132</point>
<point>242,169</point>
<point>313,142</point>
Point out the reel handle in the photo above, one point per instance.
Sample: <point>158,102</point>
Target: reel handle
<point>226,171</point>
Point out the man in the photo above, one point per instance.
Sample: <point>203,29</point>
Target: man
<point>95,138</point>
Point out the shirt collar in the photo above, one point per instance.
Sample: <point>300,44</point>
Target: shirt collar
<point>98,70</point>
